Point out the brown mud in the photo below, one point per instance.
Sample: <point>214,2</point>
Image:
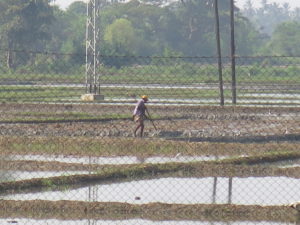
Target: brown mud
<point>75,210</point>
<point>207,123</point>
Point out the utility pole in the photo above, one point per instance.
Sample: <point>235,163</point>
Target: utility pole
<point>92,52</point>
<point>233,82</point>
<point>219,53</point>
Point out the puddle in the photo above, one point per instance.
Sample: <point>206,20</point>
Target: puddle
<point>129,222</point>
<point>246,191</point>
<point>111,160</point>
<point>285,163</point>
<point>22,175</point>
<point>88,160</point>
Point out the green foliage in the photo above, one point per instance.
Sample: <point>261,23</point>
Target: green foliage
<point>77,7</point>
<point>139,28</point>
<point>24,25</point>
<point>120,35</point>
<point>285,40</point>
<point>268,16</point>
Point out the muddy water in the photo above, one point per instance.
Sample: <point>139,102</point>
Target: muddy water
<point>128,222</point>
<point>246,191</point>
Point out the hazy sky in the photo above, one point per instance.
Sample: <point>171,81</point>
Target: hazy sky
<point>293,3</point>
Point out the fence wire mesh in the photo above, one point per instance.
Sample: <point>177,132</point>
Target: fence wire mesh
<point>65,160</point>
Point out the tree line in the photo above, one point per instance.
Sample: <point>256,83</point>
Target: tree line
<point>142,28</point>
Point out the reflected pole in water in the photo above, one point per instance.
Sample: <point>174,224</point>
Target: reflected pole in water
<point>214,195</point>
<point>93,190</point>
<point>214,190</point>
<point>230,190</point>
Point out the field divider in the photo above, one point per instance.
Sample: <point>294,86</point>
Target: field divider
<point>75,210</point>
<point>118,173</point>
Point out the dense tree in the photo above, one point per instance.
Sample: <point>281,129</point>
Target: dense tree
<point>24,25</point>
<point>285,40</point>
<point>145,28</point>
<point>155,26</point>
<point>197,26</point>
<point>78,8</point>
<point>268,16</point>
<point>121,36</point>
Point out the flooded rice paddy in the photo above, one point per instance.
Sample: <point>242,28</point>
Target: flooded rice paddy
<point>209,189</point>
<point>241,191</point>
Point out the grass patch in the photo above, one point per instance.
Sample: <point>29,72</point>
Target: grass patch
<point>110,147</point>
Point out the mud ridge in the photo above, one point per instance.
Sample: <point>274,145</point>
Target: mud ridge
<point>74,210</point>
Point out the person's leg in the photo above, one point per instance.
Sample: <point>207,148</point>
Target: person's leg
<point>140,124</point>
<point>136,129</point>
<point>142,128</point>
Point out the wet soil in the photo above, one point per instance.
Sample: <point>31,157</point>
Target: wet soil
<point>204,123</point>
<point>74,210</point>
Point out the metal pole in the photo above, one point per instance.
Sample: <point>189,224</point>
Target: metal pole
<point>97,47</point>
<point>94,47</point>
<point>232,53</point>
<point>219,53</point>
<point>86,50</point>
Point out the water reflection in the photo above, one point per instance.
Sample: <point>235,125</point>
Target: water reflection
<point>215,182</point>
<point>214,195</point>
<point>5,176</point>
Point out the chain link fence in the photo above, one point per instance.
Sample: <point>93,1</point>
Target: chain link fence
<point>69,161</point>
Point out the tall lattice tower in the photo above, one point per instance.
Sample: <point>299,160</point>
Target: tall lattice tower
<point>93,51</point>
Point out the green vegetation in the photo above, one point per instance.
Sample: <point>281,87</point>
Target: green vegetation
<point>107,147</point>
<point>30,30</point>
<point>43,50</point>
<point>33,88</point>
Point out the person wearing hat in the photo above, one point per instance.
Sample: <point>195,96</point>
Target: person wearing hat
<point>139,115</point>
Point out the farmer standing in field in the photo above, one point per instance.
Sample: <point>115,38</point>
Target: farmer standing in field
<point>139,115</point>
